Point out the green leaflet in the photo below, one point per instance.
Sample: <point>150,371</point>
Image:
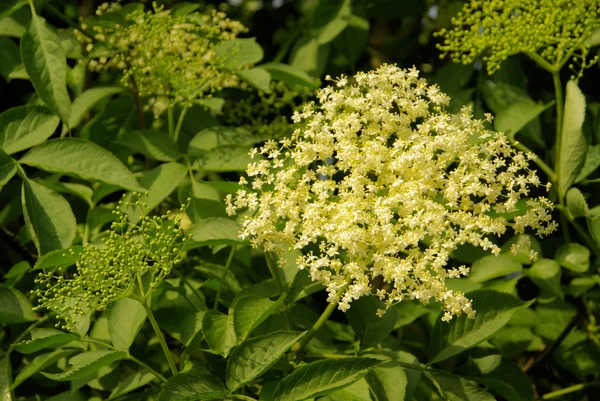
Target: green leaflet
<point>14,307</point>
<point>125,319</point>
<point>44,338</point>
<point>87,363</point>
<point>25,126</point>
<point>192,387</point>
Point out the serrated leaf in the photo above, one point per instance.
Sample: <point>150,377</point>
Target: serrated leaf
<point>257,77</point>
<point>546,274</point>
<point>125,319</point>
<point>494,310</point>
<point>48,217</point>
<point>154,144</point>
<point>40,363</point>
<point>44,338</point>
<point>131,382</point>
<point>249,312</point>
<point>82,159</point>
<point>357,391</point>
<point>322,377</point>
<point>573,145</point>
<point>370,328</point>
<point>88,99</point>
<point>576,203</point>
<point>388,382</point>
<point>254,357</point>
<point>574,257</point>
<point>216,231</point>
<point>218,331</point>
<point>290,75</point>
<point>59,258</point>
<point>14,307</point>
<point>459,389</point>
<point>8,168</point>
<point>46,65</point>
<point>192,387</point>
<point>25,126</point>
<point>501,375</point>
<point>238,52</point>
<point>87,363</point>
<point>5,379</point>
<point>591,164</point>
<point>491,266</point>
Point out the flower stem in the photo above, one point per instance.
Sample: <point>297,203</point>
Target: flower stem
<point>558,94</point>
<point>227,266</point>
<point>160,335</point>
<point>180,123</point>
<point>568,390</point>
<point>321,321</point>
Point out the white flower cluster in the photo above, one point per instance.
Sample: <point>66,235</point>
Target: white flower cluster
<point>380,181</point>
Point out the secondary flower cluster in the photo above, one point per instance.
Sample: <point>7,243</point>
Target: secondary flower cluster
<point>167,55</point>
<point>496,29</point>
<point>110,271</point>
<point>379,181</point>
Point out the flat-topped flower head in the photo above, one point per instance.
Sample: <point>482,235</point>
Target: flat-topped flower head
<point>554,30</point>
<point>110,271</point>
<point>379,181</point>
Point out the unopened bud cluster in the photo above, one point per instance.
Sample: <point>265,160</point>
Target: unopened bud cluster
<point>110,271</point>
<point>380,181</point>
<point>495,29</point>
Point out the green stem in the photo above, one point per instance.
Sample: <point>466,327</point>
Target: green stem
<point>24,334</point>
<point>170,119</point>
<point>160,335</point>
<point>227,266</point>
<point>321,321</point>
<point>568,390</point>
<point>147,367</point>
<point>540,163</point>
<point>541,62</point>
<point>240,397</point>
<point>180,123</point>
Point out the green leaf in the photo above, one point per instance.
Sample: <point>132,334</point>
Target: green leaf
<point>370,328</point>
<point>131,382</point>
<point>257,77</point>
<point>88,99</point>
<point>254,357</point>
<point>25,126</point>
<point>8,168</point>
<point>191,328</point>
<point>574,257</point>
<point>459,389</point>
<point>44,338</point>
<point>213,137</point>
<point>516,116</point>
<point>125,319</point>
<point>40,363</point>
<point>357,391</point>
<point>218,331</point>
<point>192,387</point>
<point>290,75</point>
<point>48,217</point>
<point>546,274</point>
<point>223,159</point>
<point>591,164</point>
<point>238,52</point>
<point>310,57</point>
<point>14,307</point>
<point>576,203</point>
<point>59,258</point>
<point>322,377</point>
<point>249,312</point>
<point>5,379</point>
<point>14,22</point>
<point>87,363</point>
<point>214,104</point>
<point>573,144</point>
<point>388,382</point>
<point>494,310</point>
<point>217,272</point>
<point>501,375</point>
<point>10,56</point>
<point>216,231</point>
<point>46,65</point>
<point>154,144</point>
<point>491,266</point>
<point>330,18</point>
<point>7,7</point>
<point>82,159</point>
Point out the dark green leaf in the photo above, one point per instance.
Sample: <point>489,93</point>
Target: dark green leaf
<point>191,328</point>
<point>322,377</point>
<point>8,168</point>
<point>388,382</point>
<point>546,274</point>
<point>44,338</point>
<point>88,99</point>
<point>5,379</point>
<point>25,126</point>
<point>516,116</point>
<point>87,363</point>
<point>192,387</point>
<point>574,257</point>
<point>290,75</point>
<point>255,356</point>
<point>14,307</point>
<point>494,310</point>
<point>125,319</point>
<point>131,382</point>
<point>40,363</point>
<point>249,312</point>
<point>82,159</point>
<point>459,389</point>
<point>591,164</point>
<point>330,18</point>
<point>48,217</point>
<point>218,331</point>
<point>370,328</point>
<point>238,52</point>
<point>10,56</point>
<point>154,144</point>
<point>46,64</point>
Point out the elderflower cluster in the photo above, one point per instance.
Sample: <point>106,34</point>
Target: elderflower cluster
<point>111,271</point>
<point>164,55</point>
<point>495,29</point>
<point>379,181</point>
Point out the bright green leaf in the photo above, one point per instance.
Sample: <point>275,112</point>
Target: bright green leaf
<point>192,387</point>
<point>8,168</point>
<point>576,203</point>
<point>574,257</point>
<point>330,18</point>
<point>191,328</point>
<point>309,56</point>
<point>154,144</point>
<point>238,52</point>
<point>218,331</point>
<point>223,159</point>
<point>131,382</point>
<point>88,99</point>
<point>125,319</point>
<point>459,389</point>
<point>257,77</point>
<point>357,391</point>
<point>82,159</point>
<point>388,382</point>
<point>492,266</point>
<point>516,116</point>
<point>46,65</point>
<point>249,312</point>
<point>322,377</point>
<point>59,258</point>
<point>25,126</point>
<point>255,356</point>
<point>546,274</point>
<point>290,75</point>
<point>87,363</point>
<point>216,231</point>
<point>5,379</point>
<point>591,164</point>
<point>48,217</point>
<point>14,307</point>
<point>44,338</point>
